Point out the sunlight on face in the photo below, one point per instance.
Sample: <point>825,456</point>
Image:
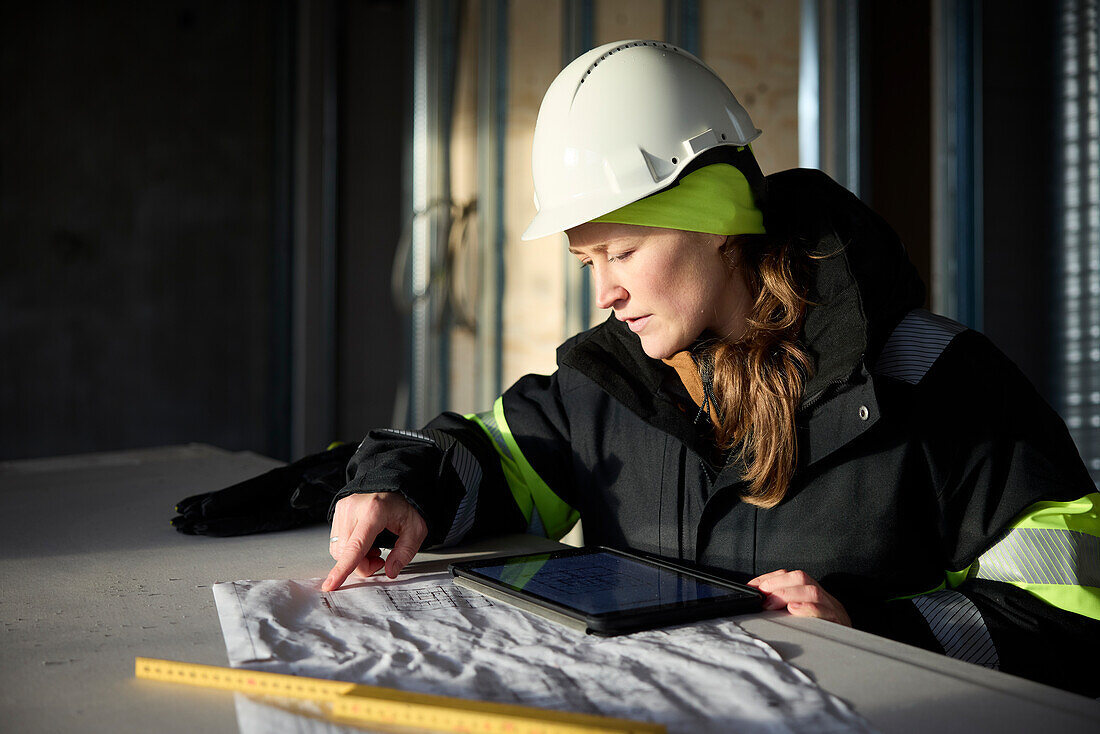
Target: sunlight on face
<point>667,285</point>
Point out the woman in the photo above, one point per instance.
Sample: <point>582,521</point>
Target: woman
<point>767,400</point>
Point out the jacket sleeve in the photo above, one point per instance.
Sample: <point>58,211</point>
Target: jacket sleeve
<point>1019,526</point>
<point>472,476</point>
<point>1028,605</point>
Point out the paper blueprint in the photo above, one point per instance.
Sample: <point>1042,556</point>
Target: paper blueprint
<point>424,634</point>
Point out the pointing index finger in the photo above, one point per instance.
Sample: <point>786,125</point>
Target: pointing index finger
<point>358,544</point>
<point>347,562</point>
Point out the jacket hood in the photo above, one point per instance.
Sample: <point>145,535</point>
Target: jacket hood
<point>862,285</point>
<point>862,282</point>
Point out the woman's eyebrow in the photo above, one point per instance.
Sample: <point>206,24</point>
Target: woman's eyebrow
<point>592,248</point>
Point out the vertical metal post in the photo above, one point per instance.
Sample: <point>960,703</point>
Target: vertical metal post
<point>682,24</point>
<point>810,64</point>
<point>491,111</point>
<point>330,138</point>
<point>433,42</point>
<point>957,165</point>
<point>576,38</point>
<point>830,118</point>
<point>420,228</point>
<point>280,386</point>
<point>847,130</point>
<point>313,382</point>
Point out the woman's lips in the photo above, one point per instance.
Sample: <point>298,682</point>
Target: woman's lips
<point>637,324</point>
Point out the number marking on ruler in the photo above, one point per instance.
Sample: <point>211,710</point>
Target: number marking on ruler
<point>391,706</point>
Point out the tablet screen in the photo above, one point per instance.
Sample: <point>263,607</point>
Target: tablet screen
<point>600,582</point>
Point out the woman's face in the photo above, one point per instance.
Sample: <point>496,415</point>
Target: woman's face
<point>669,286</point>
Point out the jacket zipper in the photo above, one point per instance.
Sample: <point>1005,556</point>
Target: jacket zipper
<point>818,396</point>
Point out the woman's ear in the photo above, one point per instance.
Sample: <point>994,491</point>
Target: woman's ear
<point>728,248</point>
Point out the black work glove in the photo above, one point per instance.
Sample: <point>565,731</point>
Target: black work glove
<point>283,498</point>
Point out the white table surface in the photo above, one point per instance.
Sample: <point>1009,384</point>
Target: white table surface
<point>92,575</point>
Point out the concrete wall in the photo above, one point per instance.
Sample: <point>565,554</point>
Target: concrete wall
<point>375,82</point>
<point>145,224</point>
<point>135,225</point>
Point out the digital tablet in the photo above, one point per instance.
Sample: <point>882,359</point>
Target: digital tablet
<point>604,591</point>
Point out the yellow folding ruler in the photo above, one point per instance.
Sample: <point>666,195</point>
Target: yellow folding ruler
<point>375,705</point>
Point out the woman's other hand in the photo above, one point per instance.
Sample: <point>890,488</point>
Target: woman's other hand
<point>801,595</point>
<point>358,520</point>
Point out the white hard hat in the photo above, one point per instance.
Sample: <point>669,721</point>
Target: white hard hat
<point>620,123</point>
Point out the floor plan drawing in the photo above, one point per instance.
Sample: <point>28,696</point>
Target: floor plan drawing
<point>424,634</point>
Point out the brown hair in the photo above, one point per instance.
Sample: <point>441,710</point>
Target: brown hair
<point>758,378</point>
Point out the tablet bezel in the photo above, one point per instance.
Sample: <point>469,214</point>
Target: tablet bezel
<point>613,622</point>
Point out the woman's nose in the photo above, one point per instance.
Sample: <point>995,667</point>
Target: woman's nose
<point>608,290</point>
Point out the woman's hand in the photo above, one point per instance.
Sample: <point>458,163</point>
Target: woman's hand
<point>358,520</point>
<point>801,595</point>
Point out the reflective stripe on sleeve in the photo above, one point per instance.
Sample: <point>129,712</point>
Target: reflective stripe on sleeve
<point>1043,556</point>
<point>547,515</point>
<point>1052,551</point>
<point>469,473</point>
<point>958,626</point>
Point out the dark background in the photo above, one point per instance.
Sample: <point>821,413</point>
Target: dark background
<point>157,159</point>
<point>149,156</point>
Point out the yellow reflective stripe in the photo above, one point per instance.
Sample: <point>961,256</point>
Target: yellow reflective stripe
<point>1083,600</point>
<point>1081,515</point>
<point>1052,551</point>
<point>955,579</point>
<point>534,497</point>
<point>515,481</point>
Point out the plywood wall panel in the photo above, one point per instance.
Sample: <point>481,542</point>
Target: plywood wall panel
<point>619,20</point>
<point>534,293</point>
<point>463,377</point>
<point>753,45</point>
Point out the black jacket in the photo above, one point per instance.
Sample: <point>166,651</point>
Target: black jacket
<point>919,443</point>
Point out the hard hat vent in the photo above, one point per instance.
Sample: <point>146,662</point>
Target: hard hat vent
<point>623,46</point>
